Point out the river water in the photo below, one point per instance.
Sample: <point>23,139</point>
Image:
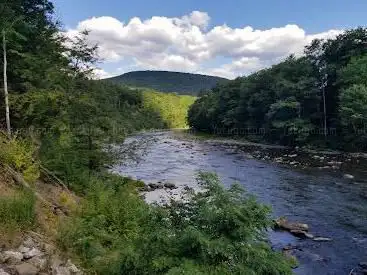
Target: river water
<point>331,206</point>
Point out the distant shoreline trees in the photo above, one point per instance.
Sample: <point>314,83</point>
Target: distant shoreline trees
<point>323,89</point>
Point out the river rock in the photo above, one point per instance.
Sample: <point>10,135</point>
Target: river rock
<point>282,223</point>
<point>26,269</point>
<point>170,185</point>
<point>348,176</point>
<point>322,239</point>
<point>302,234</point>
<point>155,186</point>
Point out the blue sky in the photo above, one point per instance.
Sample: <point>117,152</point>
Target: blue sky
<point>203,53</point>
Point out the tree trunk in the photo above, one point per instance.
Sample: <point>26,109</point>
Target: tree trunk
<point>6,88</point>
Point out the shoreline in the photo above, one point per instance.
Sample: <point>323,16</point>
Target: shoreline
<point>350,165</point>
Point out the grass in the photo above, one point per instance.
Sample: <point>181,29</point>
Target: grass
<point>17,211</point>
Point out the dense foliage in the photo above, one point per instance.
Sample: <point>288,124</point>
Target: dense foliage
<point>171,82</point>
<point>217,231</point>
<point>285,103</point>
<point>172,109</point>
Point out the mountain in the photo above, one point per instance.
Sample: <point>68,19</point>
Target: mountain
<point>164,81</point>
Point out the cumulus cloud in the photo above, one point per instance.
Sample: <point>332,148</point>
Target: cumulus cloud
<point>187,43</point>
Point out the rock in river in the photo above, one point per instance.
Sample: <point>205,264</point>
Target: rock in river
<point>348,176</point>
<point>322,239</point>
<point>170,185</point>
<point>282,223</point>
<point>302,234</point>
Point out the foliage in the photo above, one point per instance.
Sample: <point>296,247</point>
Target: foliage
<point>19,154</point>
<point>217,231</point>
<point>171,108</point>
<point>169,82</point>
<point>17,211</point>
<point>353,114</point>
<point>355,72</point>
<point>284,104</point>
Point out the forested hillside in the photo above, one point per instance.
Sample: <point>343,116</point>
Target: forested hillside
<point>171,82</point>
<point>62,124</point>
<point>316,99</point>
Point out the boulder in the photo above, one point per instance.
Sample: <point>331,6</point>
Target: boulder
<point>170,185</point>
<point>23,249</point>
<point>26,269</point>
<point>38,262</point>
<point>302,234</point>
<point>2,272</point>
<point>11,257</point>
<point>282,223</point>
<point>32,253</point>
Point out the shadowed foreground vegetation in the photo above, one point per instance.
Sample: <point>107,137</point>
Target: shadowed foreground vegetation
<point>217,231</point>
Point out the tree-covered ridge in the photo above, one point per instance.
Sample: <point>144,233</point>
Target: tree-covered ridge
<point>293,102</point>
<point>170,82</point>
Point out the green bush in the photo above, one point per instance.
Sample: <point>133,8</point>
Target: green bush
<point>18,153</point>
<point>217,231</point>
<point>17,211</point>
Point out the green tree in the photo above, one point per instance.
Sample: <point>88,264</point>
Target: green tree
<point>353,114</point>
<point>355,72</point>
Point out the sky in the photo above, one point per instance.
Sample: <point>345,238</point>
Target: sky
<point>226,38</point>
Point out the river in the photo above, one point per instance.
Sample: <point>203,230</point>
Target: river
<point>330,205</point>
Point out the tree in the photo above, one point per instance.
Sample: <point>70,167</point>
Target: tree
<point>6,93</point>
<point>355,72</point>
<point>329,57</point>
<point>8,22</point>
<point>353,105</point>
<point>81,55</point>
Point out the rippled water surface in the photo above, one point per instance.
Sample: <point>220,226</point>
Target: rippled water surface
<point>331,206</point>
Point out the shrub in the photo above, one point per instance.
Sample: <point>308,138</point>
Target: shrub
<point>217,231</point>
<point>18,153</point>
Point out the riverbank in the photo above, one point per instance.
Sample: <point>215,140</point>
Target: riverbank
<point>352,166</point>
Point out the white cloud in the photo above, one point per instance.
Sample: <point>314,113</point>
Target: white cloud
<point>187,44</point>
<point>101,74</point>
